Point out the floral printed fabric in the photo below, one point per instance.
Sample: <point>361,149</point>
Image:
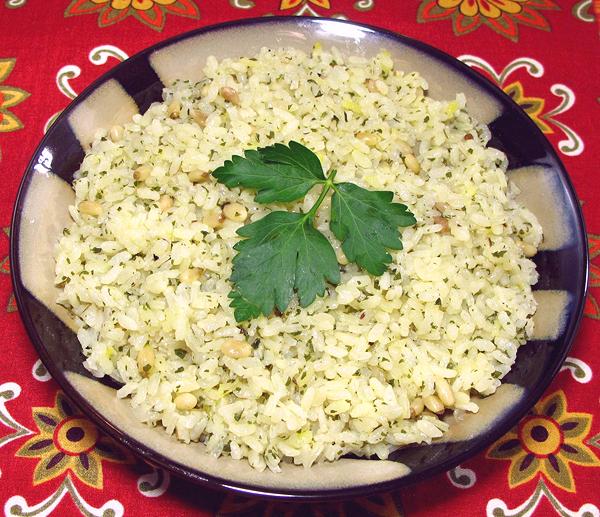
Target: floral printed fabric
<point>543,53</point>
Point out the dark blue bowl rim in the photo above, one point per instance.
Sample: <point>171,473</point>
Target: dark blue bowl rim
<point>475,446</point>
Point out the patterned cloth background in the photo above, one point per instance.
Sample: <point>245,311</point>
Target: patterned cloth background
<point>544,53</point>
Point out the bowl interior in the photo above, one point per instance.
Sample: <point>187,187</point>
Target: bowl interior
<point>41,214</point>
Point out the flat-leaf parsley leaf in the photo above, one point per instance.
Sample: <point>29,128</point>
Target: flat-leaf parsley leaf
<point>279,173</point>
<point>283,252</point>
<point>366,221</point>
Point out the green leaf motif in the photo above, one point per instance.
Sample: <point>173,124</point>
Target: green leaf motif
<point>282,253</point>
<point>366,222</point>
<point>279,173</point>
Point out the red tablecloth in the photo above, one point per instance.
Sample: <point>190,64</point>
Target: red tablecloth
<point>545,53</point>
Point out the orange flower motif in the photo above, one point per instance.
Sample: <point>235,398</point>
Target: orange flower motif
<point>152,13</point>
<point>503,16</point>
<point>141,5</point>
<point>290,4</point>
<point>68,441</point>
<point>9,98</point>
<point>533,106</point>
<point>547,442</point>
<point>488,8</point>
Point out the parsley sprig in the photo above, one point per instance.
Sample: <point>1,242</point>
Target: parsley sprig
<point>283,252</point>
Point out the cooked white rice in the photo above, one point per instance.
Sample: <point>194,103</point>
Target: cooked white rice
<point>339,376</point>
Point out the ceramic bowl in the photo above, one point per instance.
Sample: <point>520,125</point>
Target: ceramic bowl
<point>41,213</point>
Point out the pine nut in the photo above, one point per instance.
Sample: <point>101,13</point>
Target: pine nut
<point>142,173</point>
<point>174,109</point>
<point>440,207</point>
<point>198,176</point>
<point>371,139</point>
<point>190,275</point>
<point>116,133</point>
<point>145,360</point>
<point>528,249</point>
<point>434,404</point>
<point>199,117</point>
<point>444,392</point>
<point>443,222</point>
<point>214,218</point>
<point>165,202</point>
<point>230,95</point>
<point>411,162</point>
<point>370,84</point>
<point>403,147</point>
<point>185,401</point>
<point>235,212</point>
<point>341,258</point>
<point>416,407</point>
<point>236,349</point>
<point>90,208</point>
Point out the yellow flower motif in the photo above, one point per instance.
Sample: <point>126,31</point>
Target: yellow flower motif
<point>488,8</point>
<point>290,4</point>
<point>547,441</point>
<point>533,106</point>
<point>152,13</point>
<point>140,5</point>
<point>69,441</point>
<point>9,97</point>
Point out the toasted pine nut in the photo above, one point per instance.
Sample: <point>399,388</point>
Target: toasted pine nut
<point>403,147</point>
<point>116,133</point>
<point>370,84</point>
<point>185,401</point>
<point>145,360</point>
<point>416,407</point>
<point>371,139</point>
<point>90,208</point>
<point>412,163</point>
<point>434,404</point>
<point>230,94</point>
<point>528,249</point>
<point>443,222</point>
<point>214,218</point>
<point>444,391</point>
<point>199,117</point>
<point>235,212</point>
<point>440,207</point>
<point>236,349</point>
<point>198,176</point>
<point>165,202</point>
<point>142,173</point>
<point>190,275</point>
<point>174,109</point>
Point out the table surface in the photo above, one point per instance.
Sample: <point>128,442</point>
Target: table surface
<point>544,53</point>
